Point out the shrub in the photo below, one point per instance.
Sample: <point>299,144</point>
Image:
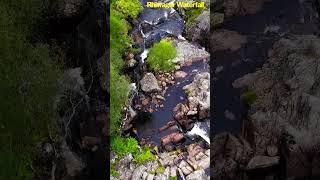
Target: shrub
<point>144,156</point>
<point>160,56</point>
<point>249,97</point>
<point>128,8</point>
<point>122,146</point>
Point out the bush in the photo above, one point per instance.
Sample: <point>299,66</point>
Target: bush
<point>128,8</point>
<point>123,146</point>
<point>144,156</point>
<point>249,97</point>
<point>160,56</point>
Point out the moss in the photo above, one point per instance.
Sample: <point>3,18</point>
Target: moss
<point>128,8</point>
<point>173,178</point>
<point>249,97</point>
<point>192,14</point>
<point>122,146</point>
<point>160,56</point>
<point>113,171</point>
<point>160,170</point>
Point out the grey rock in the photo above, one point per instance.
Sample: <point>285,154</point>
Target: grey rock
<point>188,53</point>
<point>260,162</point>
<point>197,175</point>
<point>149,83</point>
<point>199,94</point>
<point>138,173</point>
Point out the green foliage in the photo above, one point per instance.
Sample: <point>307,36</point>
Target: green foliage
<point>128,8</point>
<point>192,14</point>
<point>173,178</point>
<point>122,146</point>
<point>113,171</point>
<point>119,87</point>
<point>144,156</point>
<point>28,78</point>
<point>249,97</point>
<point>120,42</point>
<point>160,56</point>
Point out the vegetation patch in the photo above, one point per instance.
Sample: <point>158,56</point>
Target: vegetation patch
<point>160,170</point>
<point>122,146</point>
<point>249,97</point>
<point>160,56</point>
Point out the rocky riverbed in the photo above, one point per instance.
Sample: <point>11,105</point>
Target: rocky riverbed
<point>166,105</point>
<point>267,51</point>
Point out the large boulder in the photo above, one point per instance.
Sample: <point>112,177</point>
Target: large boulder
<point>188,53</point>
<point>199,29</point>
<point>262,162</point>
<point>149,83</point>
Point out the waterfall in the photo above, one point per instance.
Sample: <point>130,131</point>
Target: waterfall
<point>201,129</point>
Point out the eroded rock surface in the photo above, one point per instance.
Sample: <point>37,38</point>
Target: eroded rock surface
<point>286,111</point>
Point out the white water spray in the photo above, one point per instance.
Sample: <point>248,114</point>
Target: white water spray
<point>199,131</point>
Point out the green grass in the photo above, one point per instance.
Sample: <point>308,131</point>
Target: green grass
<point>144,156</point>
<point>120,42</point>
<point>160,56</point>
<point>249,97</point>
<point>192,14</point>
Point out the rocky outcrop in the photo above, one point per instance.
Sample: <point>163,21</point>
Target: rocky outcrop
<point>199,29</point>
<point>230,156</point>
<point>286,112</point>
<point>188,53</point>
<point>198,93</point>
<point>190,164</point>
<point>149,83</point>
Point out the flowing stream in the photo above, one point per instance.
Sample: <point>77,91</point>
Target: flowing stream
<point>156,24</point>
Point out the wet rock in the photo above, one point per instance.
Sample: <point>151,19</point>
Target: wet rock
<point>199,29</point>
<point>261,162</point>
<point>168,125</point>
<point>188,53</point>
<point>229,115</point>
<point>131,63</point>
<point>172,138</point>
<point>226,40</point>
<point>180,74</point>
<point>197,175</point>
<point>198,93</point>
<point>218,69</point>
<point>149,83</point>
<point>180,111</point>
